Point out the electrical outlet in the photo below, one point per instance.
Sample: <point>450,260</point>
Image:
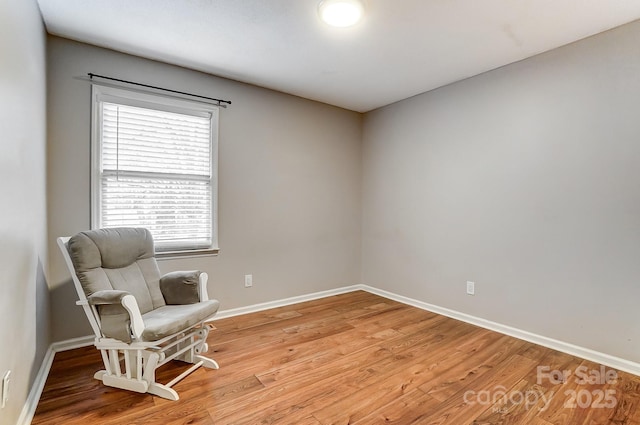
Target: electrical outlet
<point>4,389</point>
<point>471,288</point>
<point>248,280</point>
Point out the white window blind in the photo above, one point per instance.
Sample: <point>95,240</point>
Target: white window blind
<point>156,171</point>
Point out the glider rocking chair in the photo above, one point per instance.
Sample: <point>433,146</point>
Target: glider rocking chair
<point>141,320</point>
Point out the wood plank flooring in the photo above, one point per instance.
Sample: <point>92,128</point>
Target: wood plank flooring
<point>353,359</point>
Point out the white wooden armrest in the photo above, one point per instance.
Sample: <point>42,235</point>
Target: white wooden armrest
<point>202,287</point>
<point>131,305</point>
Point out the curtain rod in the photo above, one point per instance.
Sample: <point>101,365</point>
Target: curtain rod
<point>219,101</point>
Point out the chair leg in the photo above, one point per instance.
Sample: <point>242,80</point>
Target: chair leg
<point>113,376</point>
<point>163,391</point>
<point>149,376</point>
<point>125,383</point>
<point>207,362</point>
<point>150,365</point>
<point>203,348</point>
<point>141,364</point>
<point>194,355</point>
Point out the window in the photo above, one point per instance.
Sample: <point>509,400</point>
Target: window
<point>154,161</point>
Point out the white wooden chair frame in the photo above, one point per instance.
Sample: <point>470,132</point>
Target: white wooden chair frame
<point>141,359</point>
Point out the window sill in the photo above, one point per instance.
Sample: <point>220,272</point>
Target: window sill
<point>173,255</point>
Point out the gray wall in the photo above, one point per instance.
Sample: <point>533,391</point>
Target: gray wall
<point>525,180</point>
<point>24,330</point>
<point>289,183</point>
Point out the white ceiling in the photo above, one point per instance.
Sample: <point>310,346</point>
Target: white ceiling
<point>401,48</point>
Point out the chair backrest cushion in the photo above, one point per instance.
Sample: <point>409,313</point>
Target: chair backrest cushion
<point>118,258</point>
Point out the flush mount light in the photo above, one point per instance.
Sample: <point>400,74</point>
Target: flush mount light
<point>340,13</point>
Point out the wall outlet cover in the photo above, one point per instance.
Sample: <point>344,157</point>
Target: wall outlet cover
<point>471,288</point>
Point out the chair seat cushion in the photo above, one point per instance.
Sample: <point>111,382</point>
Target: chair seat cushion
<point>166,321</point>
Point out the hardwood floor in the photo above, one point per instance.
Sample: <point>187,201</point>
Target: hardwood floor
<point>353,359</point>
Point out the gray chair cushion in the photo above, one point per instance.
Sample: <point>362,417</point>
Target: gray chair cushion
<point>115,322</point>
<point>121,259</point>
<point>180,287</point>
<point>168,320</point>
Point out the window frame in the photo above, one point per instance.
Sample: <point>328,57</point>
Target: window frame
<point>131,97</point>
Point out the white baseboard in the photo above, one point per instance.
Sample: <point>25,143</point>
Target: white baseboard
<point>70,344</point>
<point>565,347</point>
<point>284,302</point>
<point>602,358</point>
<point>33,398</point>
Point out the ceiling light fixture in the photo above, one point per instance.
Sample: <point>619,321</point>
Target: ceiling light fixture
<point>341,13</point>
